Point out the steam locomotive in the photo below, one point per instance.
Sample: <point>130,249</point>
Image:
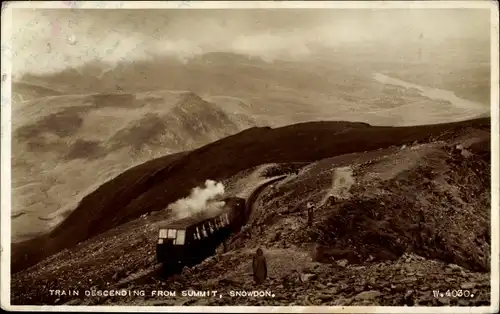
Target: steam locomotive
<point>188,241</point>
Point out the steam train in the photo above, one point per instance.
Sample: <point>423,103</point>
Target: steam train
<point>188,241</point>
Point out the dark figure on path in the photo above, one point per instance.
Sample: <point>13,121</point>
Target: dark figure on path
<point>259,267</point>
<point>310,213</point>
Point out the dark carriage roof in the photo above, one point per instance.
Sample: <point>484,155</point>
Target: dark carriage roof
<point>190,221</point>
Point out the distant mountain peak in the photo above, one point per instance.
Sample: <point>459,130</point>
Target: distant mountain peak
<point>191,96</point>
<point>191,103</point>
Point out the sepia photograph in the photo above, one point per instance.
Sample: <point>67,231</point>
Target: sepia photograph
<point>215,156</point>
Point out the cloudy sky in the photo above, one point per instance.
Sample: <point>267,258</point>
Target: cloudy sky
<point>47,40</point>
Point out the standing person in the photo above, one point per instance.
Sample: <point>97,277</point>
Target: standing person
<point>259,267</point>
<point>310,213</point>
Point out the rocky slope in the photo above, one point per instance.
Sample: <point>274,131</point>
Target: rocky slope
<point>155,185</point>
<point>393,222</point>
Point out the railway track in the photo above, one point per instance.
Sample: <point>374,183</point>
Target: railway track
<point>250,202</point>
<point>254,195</point>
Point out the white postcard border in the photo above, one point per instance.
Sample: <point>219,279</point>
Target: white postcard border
<point>6,149</point>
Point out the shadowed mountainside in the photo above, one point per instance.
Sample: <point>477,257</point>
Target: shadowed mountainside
<point>153,185</point>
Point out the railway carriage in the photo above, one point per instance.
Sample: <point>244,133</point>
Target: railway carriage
<point>188,241</point>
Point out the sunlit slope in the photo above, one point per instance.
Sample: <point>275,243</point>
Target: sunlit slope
<point>64,147</point>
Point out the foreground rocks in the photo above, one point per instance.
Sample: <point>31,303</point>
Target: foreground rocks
<point>411,280</point>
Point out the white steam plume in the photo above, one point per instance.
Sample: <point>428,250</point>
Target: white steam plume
<point>342,181</point>
<point>201,199</point>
